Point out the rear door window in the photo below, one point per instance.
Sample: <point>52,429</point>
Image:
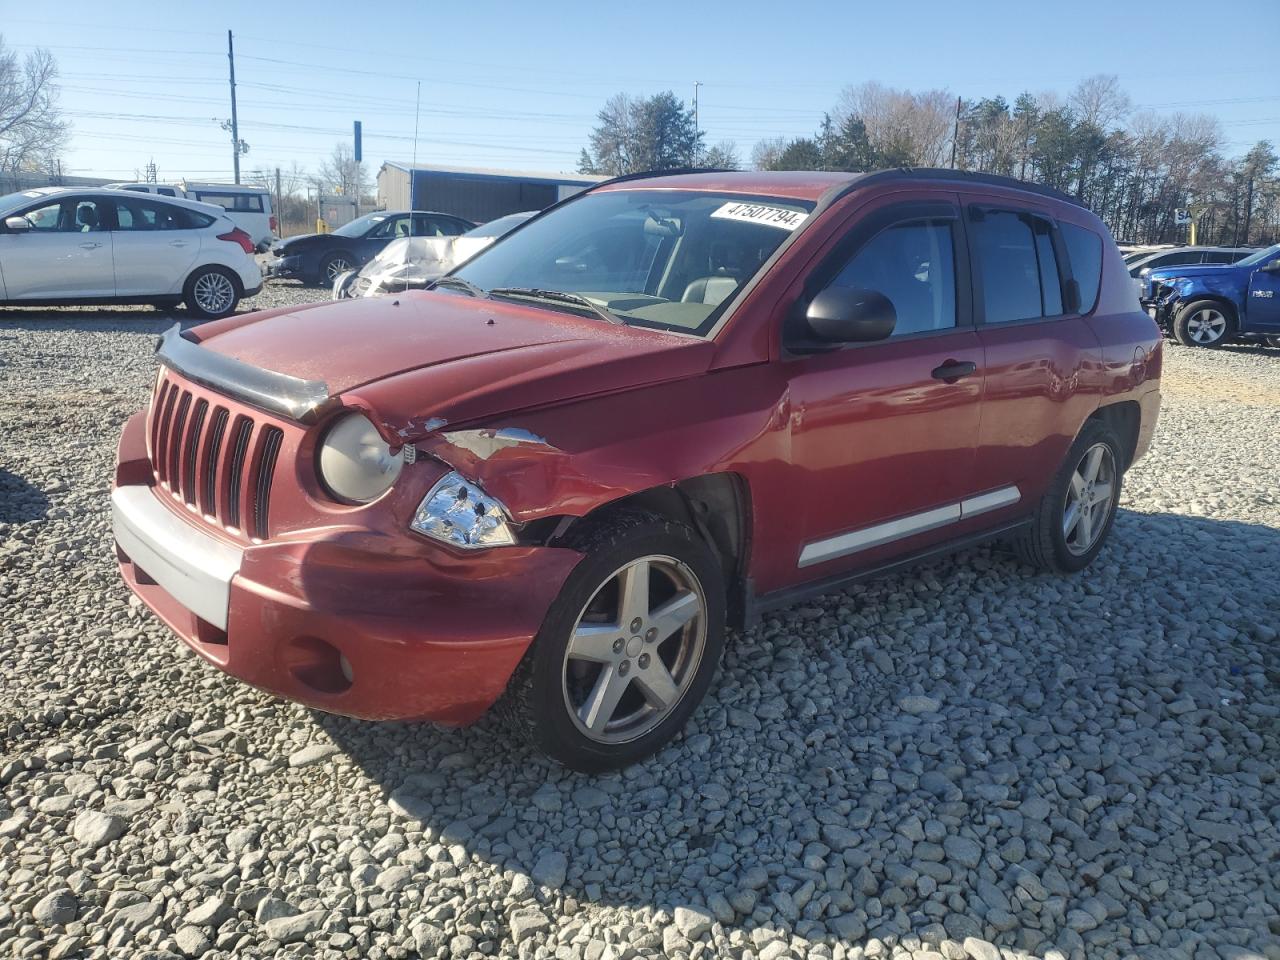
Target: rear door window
<point>141,214</point>
<point>236,202</point>
<point>1017,266</point>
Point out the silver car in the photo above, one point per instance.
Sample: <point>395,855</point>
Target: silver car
<point>410,263</point>
<point>61,245</point>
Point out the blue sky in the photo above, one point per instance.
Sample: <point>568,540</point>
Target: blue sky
<point>518,84</point>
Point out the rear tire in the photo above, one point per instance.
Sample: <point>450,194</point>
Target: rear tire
<point>211,293</point>
<point>627,650</point>
<point>1204,323</point>
<point>1074,517</point>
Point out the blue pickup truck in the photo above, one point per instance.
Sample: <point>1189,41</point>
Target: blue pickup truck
<point>1207,306</point>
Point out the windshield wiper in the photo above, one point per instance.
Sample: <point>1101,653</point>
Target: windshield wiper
<point>458,283</point>
<point>557,296</point>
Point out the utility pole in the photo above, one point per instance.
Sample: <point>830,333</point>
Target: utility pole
<point>696,85</point>
<point>235,125</point>
<point>279,205</point>
<point>955,134</point>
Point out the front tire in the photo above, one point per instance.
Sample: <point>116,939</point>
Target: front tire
<point>1074,518</point>
<point>627,650</point>
<point>333,266</point>
<point>211,293</point>
<point>1204,323</point>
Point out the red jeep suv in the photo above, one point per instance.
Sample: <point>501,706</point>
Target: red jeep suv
<point>653,411</point>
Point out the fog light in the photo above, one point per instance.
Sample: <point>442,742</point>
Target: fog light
<point>345,666</point>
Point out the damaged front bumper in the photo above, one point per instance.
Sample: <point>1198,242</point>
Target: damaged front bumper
<point>373,621</point>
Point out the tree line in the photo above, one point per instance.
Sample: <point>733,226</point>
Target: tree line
<point>1134,169</point>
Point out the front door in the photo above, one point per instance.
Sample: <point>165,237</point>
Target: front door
<point>66,252</point>
<point>884,434</point>
<point>154,245</point>
<point>1262,311</point>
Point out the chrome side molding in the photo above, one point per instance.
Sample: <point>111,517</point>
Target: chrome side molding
<point>279,393</point>
<point>877,535</point>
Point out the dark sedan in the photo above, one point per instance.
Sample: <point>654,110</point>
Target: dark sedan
<point>318,258</point>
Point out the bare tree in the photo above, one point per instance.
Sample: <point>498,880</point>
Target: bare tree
<point>765,154</point>
<point>723,156</point>
<point>903,127</point>
<point>341,174</point>
<point>1099,101</point>
<point>32,131</point>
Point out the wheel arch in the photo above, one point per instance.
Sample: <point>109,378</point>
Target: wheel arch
<point>1124,417</point>
<point>1199,296</point>
<point>222,268</point>
<point>716,505</point>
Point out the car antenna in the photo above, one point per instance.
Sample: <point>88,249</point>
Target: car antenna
<point>417,104</point>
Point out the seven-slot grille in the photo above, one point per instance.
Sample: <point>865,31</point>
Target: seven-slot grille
<point>217,461</point>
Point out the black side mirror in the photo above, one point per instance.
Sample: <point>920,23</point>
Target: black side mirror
<point>839,315</point>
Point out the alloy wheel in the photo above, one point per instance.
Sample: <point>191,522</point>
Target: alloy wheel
<point>1090,498</point>
<point>214,292</point>
<point>635,649</point>
<point>335,267</point>
<point>1206,326</point>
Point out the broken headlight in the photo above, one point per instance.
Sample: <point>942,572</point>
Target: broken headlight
<point>356,464</point>
<point>458,512</point>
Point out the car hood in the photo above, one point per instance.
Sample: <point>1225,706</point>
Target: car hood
<point>1191,270</point>
<point>417,361</point>
<point>300,242</point>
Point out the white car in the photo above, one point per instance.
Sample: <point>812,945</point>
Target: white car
<point>61,245</point>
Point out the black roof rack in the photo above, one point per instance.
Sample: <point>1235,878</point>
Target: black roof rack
<point>966,176</point>
<point>877,176</point>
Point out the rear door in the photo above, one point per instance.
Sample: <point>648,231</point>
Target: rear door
<point>1042,358</point>
<point>154,246</point>
<point>65,254</point>
<point>884,434</point>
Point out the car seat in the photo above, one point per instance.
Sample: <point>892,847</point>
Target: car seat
<point>86,217</point>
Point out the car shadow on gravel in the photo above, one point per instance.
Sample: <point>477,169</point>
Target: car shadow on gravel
<point>20,500</point>
<point>944,753</point>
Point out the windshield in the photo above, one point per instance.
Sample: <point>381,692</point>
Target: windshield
<point>360,225</point>
<point>669,259</point>
<point>1262,256</point>
<point>11,201</point>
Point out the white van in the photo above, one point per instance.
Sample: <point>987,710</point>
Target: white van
<point>248,207</point>
<point>159,189</point>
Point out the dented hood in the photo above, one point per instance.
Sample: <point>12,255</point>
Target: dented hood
<point>419,360</point>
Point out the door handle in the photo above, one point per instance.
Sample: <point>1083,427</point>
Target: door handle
<point>90,246</point>
<point>953,370</point>
<point>177,243</point>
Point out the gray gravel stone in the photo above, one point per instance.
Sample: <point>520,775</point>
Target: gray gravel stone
<point>93,828</point>
<point>57,908</point>
<point>295,928</point>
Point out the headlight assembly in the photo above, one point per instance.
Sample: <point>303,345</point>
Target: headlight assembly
<point>356,464</point>
<point>458,512</point>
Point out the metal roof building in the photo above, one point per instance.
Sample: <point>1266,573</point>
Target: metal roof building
<point>476,193</point>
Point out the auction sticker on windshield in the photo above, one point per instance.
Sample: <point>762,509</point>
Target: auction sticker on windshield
<point>761,213</point>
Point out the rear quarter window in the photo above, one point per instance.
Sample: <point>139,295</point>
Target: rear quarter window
<point>1084,247</point>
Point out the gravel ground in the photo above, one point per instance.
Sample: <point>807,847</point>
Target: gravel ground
<point>963,761</point>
